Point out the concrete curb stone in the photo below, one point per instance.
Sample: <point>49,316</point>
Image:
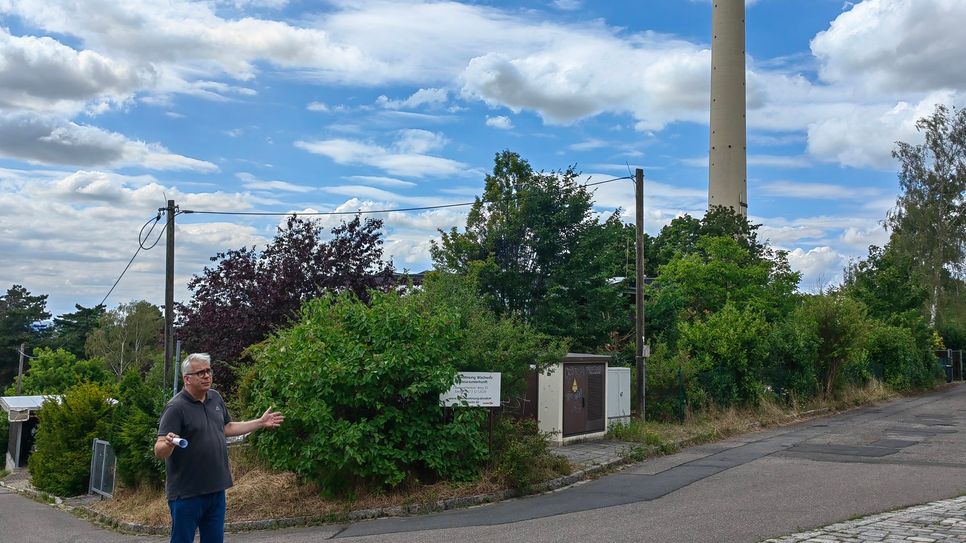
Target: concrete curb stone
<point>352,516</point>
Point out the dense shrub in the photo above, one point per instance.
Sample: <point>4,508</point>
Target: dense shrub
<point>134,429</point>
<point>666,374</point>
<point>489,343</point>
<point>899,360</point>
<point>61,461</point>
<point>522,455</point>
<point>360,386</point>
<point>728,350</point>
<point>839,325</point>
<point>792,367</point>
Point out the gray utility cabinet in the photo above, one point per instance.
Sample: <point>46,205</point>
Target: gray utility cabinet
<point>618,396</point>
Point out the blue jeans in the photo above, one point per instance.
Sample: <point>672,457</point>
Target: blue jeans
<point>205,513</point>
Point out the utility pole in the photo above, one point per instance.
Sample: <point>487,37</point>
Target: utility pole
<point>169,294</point>
<point>639,290</point>
<point>20,370</point>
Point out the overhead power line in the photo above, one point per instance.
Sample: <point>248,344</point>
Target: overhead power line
<point>153,222</point>
<point>361,212</point>
<point>142,239</point>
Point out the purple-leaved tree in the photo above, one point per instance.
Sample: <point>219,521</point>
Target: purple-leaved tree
<point>247,293</point>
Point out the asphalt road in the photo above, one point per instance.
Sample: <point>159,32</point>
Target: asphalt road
<point>760,485</point>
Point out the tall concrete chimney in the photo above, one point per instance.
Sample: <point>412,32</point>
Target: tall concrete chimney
<point>727,169</point>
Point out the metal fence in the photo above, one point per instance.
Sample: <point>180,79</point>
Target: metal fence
<point>952,362</point>
<point>103,469</point>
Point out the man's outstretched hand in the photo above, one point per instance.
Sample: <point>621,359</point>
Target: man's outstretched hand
<point>271,419</point>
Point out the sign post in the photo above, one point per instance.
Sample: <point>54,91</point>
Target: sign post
<point>475,389</point>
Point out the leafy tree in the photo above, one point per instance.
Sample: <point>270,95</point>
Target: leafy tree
<point>248,293</point>
<point>61,461</point>
<point>54,372</point>
<point>129,337</point>
<point>20,312</point>
<point>681,235</point>
<point>719,270</point>
<point>929,220</point>
<point>887,282</point>
<point>539,252</point>
<point>70,330</point>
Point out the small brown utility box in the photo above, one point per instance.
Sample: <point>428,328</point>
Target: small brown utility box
<point>572,398</point>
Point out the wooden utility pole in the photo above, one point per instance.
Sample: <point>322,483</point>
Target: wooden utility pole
<point>639,290</point>
<point>169,294</point>
<point>20,370</point>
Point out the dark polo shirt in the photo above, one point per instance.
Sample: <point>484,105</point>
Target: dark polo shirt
<point>202,467</point>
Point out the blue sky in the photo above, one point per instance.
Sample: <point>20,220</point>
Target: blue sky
<point>108,108</point>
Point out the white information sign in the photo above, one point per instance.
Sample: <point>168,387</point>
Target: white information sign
<point>475,388</point>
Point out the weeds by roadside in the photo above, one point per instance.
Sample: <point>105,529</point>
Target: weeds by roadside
<point>660,438</point>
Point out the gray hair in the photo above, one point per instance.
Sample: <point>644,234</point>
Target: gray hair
<point>196,357</point>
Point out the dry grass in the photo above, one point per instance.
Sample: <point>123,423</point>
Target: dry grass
<point>260,493</point>
<point>719,423</point>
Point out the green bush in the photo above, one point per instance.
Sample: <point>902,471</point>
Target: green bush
<point>61,461</point>
<point>839,325</point>
<point>4,430</point>
<point>359,386</point>
<point>728,350</point>
<point>666,374</point>
<point>792,369</point>
<point>134,430</point>
<point>522,455</point>
<point>897,358</point>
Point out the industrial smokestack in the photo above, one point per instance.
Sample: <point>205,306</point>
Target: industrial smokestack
<point>727,169</point>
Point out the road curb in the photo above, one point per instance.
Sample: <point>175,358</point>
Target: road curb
<point>352,516</point>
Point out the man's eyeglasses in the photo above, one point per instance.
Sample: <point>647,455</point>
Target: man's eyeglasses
<point>201,373</point>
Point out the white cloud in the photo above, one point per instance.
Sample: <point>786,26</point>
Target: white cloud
<point>317,106</point>
<point>382,181</point>
<point>588,145</point>
<point>568,5</point>
<point>406,156</point>
<point>866,136</point>
<point>895,45</point>
<point>42,139</point>
<point>88,221</point>
<point>778,161</point>
<point>499,121</point>
<point>818,191</point>
<point>250,182</point>
<point>39,73</point>
<point>820,266</point>
<point>422,97</point>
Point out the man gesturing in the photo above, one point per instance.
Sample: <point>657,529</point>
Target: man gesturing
<point>197,470</point>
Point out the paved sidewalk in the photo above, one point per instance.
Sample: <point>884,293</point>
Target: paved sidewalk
<point>940,521</point>
<point>594,453</point>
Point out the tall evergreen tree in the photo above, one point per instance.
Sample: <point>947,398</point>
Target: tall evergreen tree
<point>70,330</point>
<point>20,313</point>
